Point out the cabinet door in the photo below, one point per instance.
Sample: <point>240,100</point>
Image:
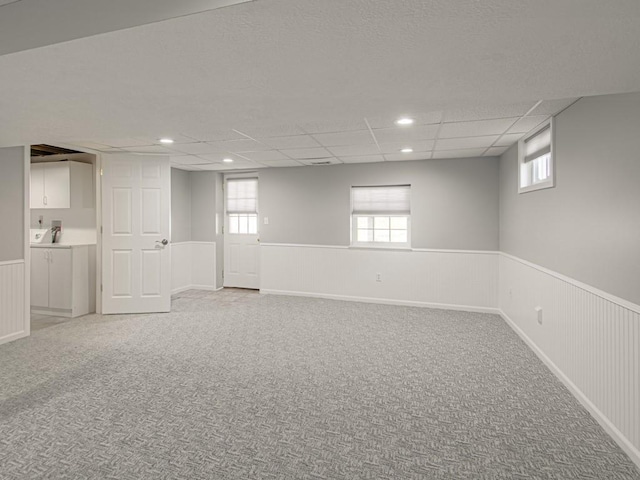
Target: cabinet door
<point>60,276</point>
<point>57,186</point>
<point>39,277</point>
<point>37,185</point>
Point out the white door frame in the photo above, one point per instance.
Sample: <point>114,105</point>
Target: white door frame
<point>27,242</point>
<point>225,177</point>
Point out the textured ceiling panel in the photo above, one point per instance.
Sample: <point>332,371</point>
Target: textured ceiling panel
<point>362,159</point>
<point>461,143</point>
<point>477,128</point>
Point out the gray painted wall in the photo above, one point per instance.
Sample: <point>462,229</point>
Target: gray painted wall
<point>180,205</point>
<point>203,206</point>
<point>588,226</point>
<point>12,203</point>
<point>454,202</point>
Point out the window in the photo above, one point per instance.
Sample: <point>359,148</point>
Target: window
<point>381,216</point>
<point>242,205</point>
<point>535,160</point>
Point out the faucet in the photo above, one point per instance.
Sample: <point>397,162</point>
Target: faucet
<point>55,230</point>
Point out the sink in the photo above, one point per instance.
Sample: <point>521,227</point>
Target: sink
<point>40,235</point>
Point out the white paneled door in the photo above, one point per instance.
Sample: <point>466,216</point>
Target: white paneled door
<point>136,258</point>
<point>241,240</point>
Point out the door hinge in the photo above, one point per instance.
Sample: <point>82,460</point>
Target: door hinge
<point>101,230</point>
<point>101,172</point>
<point>223,273</point>
<point>223,229</point>
<point>101,288</point>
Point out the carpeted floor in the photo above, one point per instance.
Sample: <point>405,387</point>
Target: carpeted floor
<point>235,385</point>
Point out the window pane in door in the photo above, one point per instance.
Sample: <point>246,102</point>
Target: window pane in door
<point>243,224</point>
<point>233,224</point>
<point>253,224</point>
<point>365,222</point>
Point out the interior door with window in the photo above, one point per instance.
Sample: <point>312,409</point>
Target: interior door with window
<point>241,241</point>
<point>136,210</point>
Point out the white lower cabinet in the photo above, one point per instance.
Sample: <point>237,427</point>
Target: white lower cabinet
<point>61,280</point>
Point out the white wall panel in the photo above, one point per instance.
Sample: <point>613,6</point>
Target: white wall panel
<point>439,278</point>
<point>12,314</point>
<point>193,265</point>
<point>589,338</point>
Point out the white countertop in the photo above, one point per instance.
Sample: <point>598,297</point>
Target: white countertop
<point>60,245</point>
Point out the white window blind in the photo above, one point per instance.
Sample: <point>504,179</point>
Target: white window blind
<point>392,200</point>
<point>538,144</point>
<point>242,195</point>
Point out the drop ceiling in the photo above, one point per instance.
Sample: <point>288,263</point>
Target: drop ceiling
<point>433,135</point>
<point>290,82</point>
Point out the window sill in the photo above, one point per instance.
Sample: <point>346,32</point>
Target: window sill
<point>380,247</point>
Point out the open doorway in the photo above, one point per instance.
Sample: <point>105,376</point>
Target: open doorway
<point>62,234</point>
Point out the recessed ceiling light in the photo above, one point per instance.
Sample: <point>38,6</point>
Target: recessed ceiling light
<point>407,150</point>
<point>404,121</point>
<point>227,160</point>
<point>166,140</point>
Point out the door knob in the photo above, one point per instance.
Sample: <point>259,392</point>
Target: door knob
<point>164,241</point>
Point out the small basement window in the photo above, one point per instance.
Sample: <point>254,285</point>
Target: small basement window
<point>381,216</point>
<point>535,159</point>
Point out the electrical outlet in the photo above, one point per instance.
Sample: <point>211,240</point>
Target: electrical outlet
<point>539,314</point>
<point>378,277</point>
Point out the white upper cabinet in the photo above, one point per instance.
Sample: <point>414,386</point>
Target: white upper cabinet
<point>61,185</point>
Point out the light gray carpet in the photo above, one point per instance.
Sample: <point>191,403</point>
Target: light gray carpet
<point>243,386</point>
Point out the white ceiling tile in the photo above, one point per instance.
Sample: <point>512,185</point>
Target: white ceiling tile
<point>126,142</point>
<point>304,153</point>
<point>238,146</point>
<point>401,157</point>
<point>464,153</point>
<point>416,145</point>
<point>295,141</point>
<point>189,160</point>
<point>213,167</point>
<point>487,112</point>
<point>468,142</point>
<point>282,163</point>
<point>354,150</point>
<point>495,151</point>
<point>194,148</point>
<point>266,156</point>
<point>362,159</point>
<point>508,139</point>
<point>156,149</point>
<point>476,128</point>
<point>175,137</point>
<point>337,126</point>
<point>206,135</point>
<point>527,124</point>
<point>321,161</point>
<point>552,107</point>
<point>339,139</point>
<point>265,131</point>
<point>405,134</point>
<point>419,119</point>
<point>219,157</point>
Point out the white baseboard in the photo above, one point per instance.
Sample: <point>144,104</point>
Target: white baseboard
<point>618,437</point>
<point>383,301</point>
<point>13,336</point>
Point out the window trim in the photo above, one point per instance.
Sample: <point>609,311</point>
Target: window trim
<point>353,243</point>
<point>551,181</point>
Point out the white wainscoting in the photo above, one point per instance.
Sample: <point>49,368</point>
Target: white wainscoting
<point>588,338</point>
<point>193,265</point>
<point>12,301</point>
<point>452,279</point>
